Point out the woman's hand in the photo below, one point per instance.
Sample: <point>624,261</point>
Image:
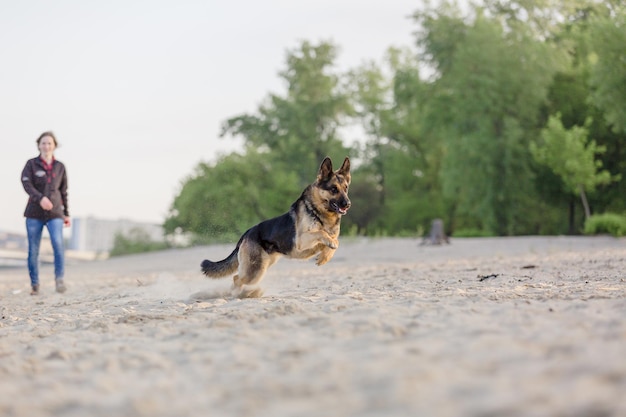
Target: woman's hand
<point>66,221</point>
<point>46,204</point>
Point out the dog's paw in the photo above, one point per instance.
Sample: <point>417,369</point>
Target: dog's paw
<point>246,291</point>
<point>333,243</point>
<point>323,257</point>
<point>251,293</point>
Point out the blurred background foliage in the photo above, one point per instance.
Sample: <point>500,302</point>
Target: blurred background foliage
<point>506,118</point>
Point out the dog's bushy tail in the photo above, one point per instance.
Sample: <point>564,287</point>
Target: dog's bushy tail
<point>221,268</point>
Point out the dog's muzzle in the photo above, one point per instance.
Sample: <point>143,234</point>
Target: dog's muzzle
<point>340,207</point>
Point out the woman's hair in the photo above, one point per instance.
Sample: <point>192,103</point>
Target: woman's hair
<point>54,139</point>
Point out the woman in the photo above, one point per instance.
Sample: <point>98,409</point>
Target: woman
<point>45,180</point>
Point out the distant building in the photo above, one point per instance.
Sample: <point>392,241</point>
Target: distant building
<point>13,241</point>
<point>98,235</point>
<point>14,249</point>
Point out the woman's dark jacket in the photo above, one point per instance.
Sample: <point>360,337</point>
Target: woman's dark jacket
<point>39,182</point>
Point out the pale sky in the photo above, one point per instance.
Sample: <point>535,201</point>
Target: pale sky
<point>135,91</point>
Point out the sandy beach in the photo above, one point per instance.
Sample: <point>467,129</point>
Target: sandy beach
<point>523,326</point>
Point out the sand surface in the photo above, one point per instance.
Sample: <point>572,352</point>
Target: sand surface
<point>386,328</point>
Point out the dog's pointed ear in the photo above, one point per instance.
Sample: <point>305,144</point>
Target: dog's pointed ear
<point>345,169</point>
<point>326,169</point>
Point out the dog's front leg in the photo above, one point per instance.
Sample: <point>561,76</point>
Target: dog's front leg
<point>329,240</point>
<point>324,256</point>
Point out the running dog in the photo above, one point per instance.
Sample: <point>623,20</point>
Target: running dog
<point>309,228</point>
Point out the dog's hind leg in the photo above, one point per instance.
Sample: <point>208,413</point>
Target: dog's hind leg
<point>253,263</point>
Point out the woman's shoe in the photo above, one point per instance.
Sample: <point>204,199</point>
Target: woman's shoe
<point>60,286</point>
<point>34,290</point>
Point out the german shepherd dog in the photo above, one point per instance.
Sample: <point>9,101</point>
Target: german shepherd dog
<point>309,228</point>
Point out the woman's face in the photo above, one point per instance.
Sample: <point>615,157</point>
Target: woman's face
<point>46,145</point>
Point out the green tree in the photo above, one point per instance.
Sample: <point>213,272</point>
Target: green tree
<point>401,163</point>
<point>303,125</point>
<point>540,19</point>
<point>572,95</point>
<point>447,125</point>
<point>223,200</point>
<point>608,70</point>
<point>367,209</point>
<point>572,156</point>
<point>285,142</point>
<point>490,82</point>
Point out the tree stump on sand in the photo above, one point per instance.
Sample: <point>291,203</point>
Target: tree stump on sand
<point>437,234</point>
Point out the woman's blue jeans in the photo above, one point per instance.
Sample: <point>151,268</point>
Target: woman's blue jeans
<point>34,230</point>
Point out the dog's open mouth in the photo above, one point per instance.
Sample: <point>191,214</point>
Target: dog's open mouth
<point>341,210</point>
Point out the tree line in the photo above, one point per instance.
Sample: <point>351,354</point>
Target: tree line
<point>505,119</point>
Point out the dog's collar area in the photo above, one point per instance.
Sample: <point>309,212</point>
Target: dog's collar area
<point>312,211</point>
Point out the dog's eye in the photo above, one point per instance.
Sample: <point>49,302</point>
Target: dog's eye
<point>334,190</point>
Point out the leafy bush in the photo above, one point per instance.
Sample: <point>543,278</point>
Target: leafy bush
<point>611,223</point>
